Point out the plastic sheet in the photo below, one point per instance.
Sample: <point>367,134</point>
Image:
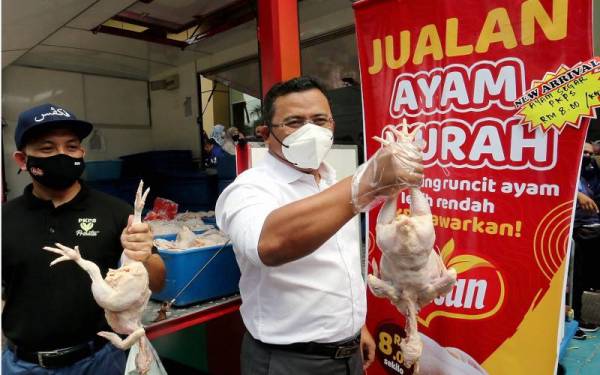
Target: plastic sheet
<point>156,367</point>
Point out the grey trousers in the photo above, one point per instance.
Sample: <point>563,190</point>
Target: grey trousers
<point>258,359</point>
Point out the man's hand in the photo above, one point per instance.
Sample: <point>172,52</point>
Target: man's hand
<point>397,165</point>
<point>587,203</point>
<point>136,240</point>
<point>367,347</point>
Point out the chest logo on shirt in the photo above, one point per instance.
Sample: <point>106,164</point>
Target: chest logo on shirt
<point>86,224</point>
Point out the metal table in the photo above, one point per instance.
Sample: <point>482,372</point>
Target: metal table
<point>179,318</point>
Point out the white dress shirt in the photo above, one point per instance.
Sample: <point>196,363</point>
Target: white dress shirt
<point>320,297</point>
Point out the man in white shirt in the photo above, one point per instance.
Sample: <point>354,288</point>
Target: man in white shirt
<point>304,299</point>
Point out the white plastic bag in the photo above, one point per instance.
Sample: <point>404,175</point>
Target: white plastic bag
<point>156,367</point>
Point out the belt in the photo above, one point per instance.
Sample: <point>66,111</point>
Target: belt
<point>336,350</point>
<point>60,357</point>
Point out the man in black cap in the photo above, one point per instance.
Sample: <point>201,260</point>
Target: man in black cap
<point>50,318</point>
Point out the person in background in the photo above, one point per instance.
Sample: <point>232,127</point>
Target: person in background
<point>256,136</point>
<point>258,132</point>
<point>50,318</point>
<point>233,136</point>
<point>218,134</point>
<point>204,138</point>
<point>238,136</point>
<point>586,233</point>
<point>596,147</point>
<point>213,151</point>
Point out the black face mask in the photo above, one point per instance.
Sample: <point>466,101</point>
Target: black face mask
<point>55,172</point>
<point>589,167</point>
<point>240,141</point>
<point>586,160</point>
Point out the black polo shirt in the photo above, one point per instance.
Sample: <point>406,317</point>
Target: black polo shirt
<point>53,307</point>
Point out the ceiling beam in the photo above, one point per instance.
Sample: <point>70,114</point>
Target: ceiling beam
<point>143,36</point>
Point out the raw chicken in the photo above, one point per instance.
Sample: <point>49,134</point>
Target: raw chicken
<point>412,273</point>
<point>187,239</point>
<point>214,237</point>
<point>192,220</point>
<point>162,227</point>
<point>123,294</point>
<point>187,215</point>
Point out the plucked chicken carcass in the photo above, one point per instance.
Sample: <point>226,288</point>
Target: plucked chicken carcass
<point>123,294</point>
<point>187,239</point>
<point>411,273</point>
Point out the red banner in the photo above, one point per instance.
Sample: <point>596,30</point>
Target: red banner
<point>502,90</point>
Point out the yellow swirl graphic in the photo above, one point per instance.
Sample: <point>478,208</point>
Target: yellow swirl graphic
<point>551,239</point>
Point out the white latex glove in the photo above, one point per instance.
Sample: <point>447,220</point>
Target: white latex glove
<point>397,165</point>
<point>437,360</point>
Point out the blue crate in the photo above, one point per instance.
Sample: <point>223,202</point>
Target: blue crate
<point>219,279</point>
<point>102,170</point>
<point>209,220</point>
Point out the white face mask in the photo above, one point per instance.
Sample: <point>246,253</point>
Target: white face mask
<point>307,146</point>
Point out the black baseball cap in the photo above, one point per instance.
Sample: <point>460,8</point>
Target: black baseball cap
<point>45,117</point>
